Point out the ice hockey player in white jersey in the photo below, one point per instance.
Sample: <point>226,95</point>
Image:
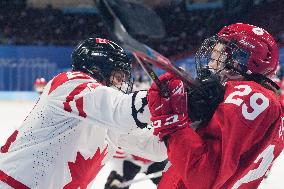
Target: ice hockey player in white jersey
<point>61,143</point>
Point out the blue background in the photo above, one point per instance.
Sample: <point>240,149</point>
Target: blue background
<point>21,65</point>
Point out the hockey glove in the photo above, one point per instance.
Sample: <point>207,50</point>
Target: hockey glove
<point>205,98</point>
<point>168,114</point>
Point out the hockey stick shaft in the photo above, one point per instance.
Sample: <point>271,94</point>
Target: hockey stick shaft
<point>165,64</point>
<point>141,51</point>
<point>148,69</point>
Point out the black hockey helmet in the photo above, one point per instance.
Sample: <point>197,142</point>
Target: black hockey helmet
<point>100,58</point>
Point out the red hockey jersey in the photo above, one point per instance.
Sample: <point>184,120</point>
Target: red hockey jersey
<point>235,149</point>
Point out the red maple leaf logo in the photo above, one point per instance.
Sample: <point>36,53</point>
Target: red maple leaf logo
<point>83,171</point>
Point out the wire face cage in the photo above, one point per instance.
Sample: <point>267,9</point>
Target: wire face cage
<point>217,54</point>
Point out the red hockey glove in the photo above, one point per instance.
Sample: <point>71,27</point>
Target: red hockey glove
<point>168,114</point>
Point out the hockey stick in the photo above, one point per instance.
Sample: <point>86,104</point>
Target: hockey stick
<point>120,34</point>
<point>149,176</point>
<point>148,69</point>
<point>142,53</point>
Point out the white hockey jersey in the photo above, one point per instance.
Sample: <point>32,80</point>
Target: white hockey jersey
<point>74,128</point>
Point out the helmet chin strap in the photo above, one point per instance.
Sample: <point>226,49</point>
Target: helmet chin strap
<point>226,74</point>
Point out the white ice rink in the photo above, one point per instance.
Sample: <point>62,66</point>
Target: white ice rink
<point>13,113</point>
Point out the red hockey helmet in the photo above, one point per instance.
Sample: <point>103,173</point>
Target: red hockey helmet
<point>39,84</point>
<point>258,43</point>
<point>244,48</point>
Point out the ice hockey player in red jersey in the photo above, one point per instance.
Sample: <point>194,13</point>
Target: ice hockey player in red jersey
<point>242,124</point>
<point>62,142</point>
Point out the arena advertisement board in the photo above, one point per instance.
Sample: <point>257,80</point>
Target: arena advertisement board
<point>21,65</point>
